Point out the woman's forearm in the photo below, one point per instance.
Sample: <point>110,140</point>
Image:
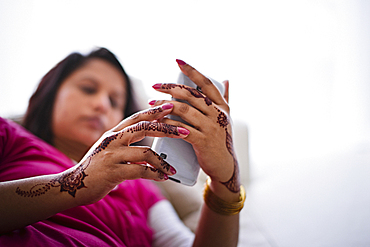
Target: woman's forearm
<point>26,201</point>
<point>215,229</point>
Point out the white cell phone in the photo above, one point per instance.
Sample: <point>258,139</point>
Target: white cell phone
<point>177,152</point>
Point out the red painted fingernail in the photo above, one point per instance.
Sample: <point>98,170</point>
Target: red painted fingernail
<point>165,176</point>
<point>152,102</point>
<point>157,86</point>
<point>167,106</point>
<point>183,131</point>
<point>180,62</point>
<point>172,170</point>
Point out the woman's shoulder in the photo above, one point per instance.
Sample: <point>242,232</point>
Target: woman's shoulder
<point>11,131</point>
<point>22,154</point>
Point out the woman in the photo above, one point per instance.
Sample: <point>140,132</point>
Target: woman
<point>59,202</point>
<point>44,101</point>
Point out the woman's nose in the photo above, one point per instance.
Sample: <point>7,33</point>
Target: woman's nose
<point>102,103</point>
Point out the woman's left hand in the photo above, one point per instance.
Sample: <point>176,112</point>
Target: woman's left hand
<point>211,134</point>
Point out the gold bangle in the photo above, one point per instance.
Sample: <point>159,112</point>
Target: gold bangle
<point>220,206</point>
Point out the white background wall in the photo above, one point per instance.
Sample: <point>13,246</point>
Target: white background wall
<point>298,70</point>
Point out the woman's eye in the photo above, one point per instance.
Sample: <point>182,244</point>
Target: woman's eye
<point>88,90</point>
<point>113,102</point>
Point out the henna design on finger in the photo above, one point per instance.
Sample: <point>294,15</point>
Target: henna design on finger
<point>154,126</point>
<point>154,110</point>
<point>193,92</point>
<point>161,175</point>
<point>104,144</point>
<point>163,164</point>
<point>198,94</point>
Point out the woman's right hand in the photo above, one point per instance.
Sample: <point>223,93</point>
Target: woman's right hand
<point>111,160</point>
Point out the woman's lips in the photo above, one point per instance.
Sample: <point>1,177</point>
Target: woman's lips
<point>95,123</point>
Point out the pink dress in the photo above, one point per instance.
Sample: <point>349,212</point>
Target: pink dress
<point>119,219</point>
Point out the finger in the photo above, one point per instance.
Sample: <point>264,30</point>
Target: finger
<point>135,171</point>
<point>189,114</point>
<point>150,114</point>
<point>226,94</point>
<point>144,155</point>
<point>195,137</point>
<point>138,131</point>
<point>154,103</point>
<point>182,92</point>
<point>206,85</point>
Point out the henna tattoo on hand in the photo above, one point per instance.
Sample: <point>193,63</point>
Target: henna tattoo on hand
<point>233,183</point>
<point>69,182</point>
<point>43,188</point>
<point>222,119</point>
<point>73,181</point>
<point>193,92</point>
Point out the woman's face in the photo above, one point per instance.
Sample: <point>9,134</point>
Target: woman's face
<point>89,102</point>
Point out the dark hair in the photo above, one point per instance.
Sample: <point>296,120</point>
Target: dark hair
<point>38,118</point>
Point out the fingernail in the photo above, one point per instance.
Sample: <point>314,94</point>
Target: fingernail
<point>172,170</point>
<point>167,106</point>
<point>180,62</point>
<point>183,131</point>
<point>165,176</point>
<point>152,102</point>
<point>157,86</point>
